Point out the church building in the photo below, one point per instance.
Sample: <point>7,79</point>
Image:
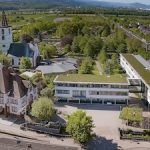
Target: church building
<point>26,48</point>
<point>5,34</point>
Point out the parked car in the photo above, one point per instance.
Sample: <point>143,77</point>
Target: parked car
<point>45,62</point>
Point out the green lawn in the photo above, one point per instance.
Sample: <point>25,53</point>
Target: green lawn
<point>91,78</point>
<point>140,69</point>
<point>95,70</point>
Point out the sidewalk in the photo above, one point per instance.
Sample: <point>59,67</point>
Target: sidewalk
<point>99,67</point>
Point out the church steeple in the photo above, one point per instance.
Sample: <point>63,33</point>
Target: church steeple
<point>4,22</point>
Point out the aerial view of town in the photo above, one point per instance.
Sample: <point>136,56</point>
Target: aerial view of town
<point>74,75</point>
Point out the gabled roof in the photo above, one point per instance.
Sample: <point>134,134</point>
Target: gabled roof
<point>4,79</point>
<point>18,88</point>
<point>11,83</point>
<point>20,50</point>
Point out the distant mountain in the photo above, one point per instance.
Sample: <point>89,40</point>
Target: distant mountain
<point>97,3</point>
<point>17,4</point>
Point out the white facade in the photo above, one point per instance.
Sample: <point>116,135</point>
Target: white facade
<point>17,106</point>
<point>5,38</point>
<point>92,92</point>
<point>133,74</point>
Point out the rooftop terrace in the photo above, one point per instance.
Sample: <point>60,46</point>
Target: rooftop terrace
<point>139,68</point>
<point>91,78</point>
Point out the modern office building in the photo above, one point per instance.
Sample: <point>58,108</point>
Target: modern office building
<point>138,71</point>
<point>103,89</point>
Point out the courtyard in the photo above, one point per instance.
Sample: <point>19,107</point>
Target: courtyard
<point>106,121</point>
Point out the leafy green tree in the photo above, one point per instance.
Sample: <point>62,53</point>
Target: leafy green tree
<point>42,109</point>
<point>48,50</point>
<point>75,45</point>
<point>39,80</point>
<point>46,92</point>
<point>25,64</point>
<point>5,60</point>
<point>86,66</point>
<point>108,67</point>
<point>131,114</point>
<point>106,31</point>
<point>102,56</point>
<point>122,48</point>
<point>79,125</point>
<point>67,48</point>
<point>82,43</point>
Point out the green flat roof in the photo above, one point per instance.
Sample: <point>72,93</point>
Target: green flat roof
<point>139,68</point>
<point>85,78</point>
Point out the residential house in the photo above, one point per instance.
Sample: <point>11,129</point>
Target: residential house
<point>16,94</point>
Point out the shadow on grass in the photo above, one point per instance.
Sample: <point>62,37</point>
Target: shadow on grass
<point>101,143</point>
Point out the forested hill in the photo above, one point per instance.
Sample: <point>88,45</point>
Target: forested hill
<point>27,4</point>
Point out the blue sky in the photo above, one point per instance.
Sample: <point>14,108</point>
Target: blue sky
<point>129,1</point>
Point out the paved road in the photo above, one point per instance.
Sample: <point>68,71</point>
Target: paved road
<point>14,143</point>
<point>129,33</point>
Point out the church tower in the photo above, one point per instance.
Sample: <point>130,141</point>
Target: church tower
<point>5,34</point>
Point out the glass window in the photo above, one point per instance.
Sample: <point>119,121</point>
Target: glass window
<point>14,109</point>
<point>3,37</point>
<point>3,32</point>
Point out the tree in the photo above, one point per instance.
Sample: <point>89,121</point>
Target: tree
<point>121,48</point>
<point>39,80</point>
<point>46,92</point>
<point>25,63</point>
<point>131,115</point>
<point>75,45</point>
<point>102,56</point>
<point>79,125</point>
<point>42,109</point>
<point>67,48</point>
<point>48,50</point>
<point>5,60</point>
<point>106,31</point>
<point>86,66</point>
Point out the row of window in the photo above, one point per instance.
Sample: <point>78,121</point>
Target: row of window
<point>62,91</point>
<point>108,93</point>
<point>92,85</point>
<point>76,93</point>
